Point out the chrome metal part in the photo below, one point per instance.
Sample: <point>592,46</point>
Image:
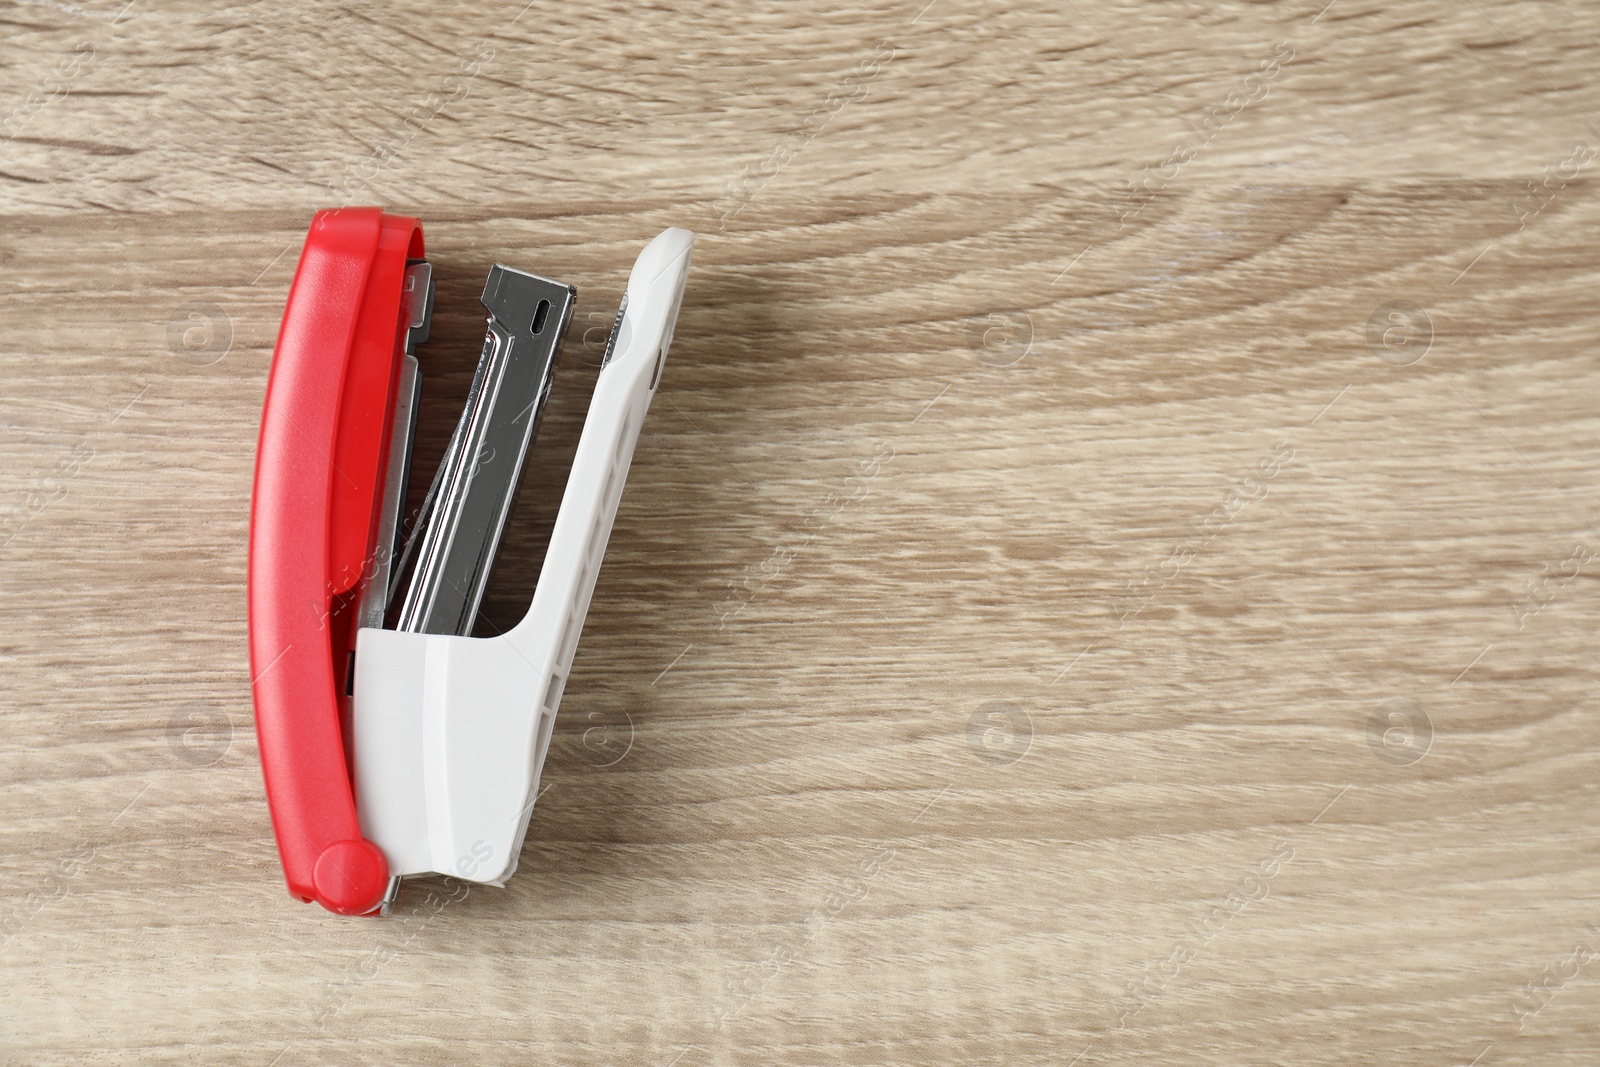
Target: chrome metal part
<point>466,508</point>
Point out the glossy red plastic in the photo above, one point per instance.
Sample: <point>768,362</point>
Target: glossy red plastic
<point>320,470</point>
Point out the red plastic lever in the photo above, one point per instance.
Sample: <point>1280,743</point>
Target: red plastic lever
<point>320,472</point>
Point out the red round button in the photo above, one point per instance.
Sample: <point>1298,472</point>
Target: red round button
<point>350,877</point>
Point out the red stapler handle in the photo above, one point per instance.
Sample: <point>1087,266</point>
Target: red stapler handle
<point>320,472</point>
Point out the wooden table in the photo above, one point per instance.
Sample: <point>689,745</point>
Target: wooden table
<point>1110,572</point>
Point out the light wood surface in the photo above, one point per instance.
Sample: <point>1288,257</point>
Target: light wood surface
<point>1109,577</point>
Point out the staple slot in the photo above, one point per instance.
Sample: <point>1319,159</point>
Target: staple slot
<point>552,693</point>
<point>661,360</point>
<point>629,433</point>
<point>540,314</point>
<point>569,639</point>
<point>546,727</point>
<point>597,538</point>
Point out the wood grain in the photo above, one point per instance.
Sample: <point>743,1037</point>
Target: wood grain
<point>1110,572</point>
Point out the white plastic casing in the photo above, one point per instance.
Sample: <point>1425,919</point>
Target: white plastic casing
<point>450,733</point>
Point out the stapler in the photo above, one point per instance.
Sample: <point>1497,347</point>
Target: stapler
<point>393,742</point>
